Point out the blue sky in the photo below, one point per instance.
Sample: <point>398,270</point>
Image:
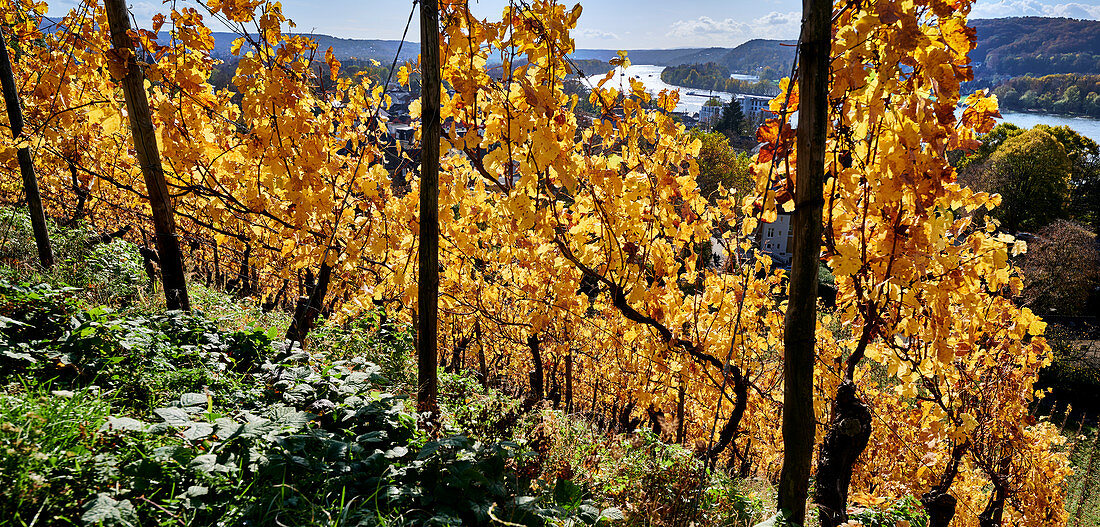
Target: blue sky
<point>616,24</point>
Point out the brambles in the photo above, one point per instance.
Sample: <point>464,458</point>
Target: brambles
<point>297,437</point>
<point>106,271</point>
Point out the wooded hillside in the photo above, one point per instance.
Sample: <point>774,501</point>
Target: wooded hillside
<point>750,57</point>
<point>1036,46</point>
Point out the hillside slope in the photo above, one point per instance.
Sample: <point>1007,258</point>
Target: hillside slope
<point>1005,47</point>
<point>1036,46</point>
<point>746,58</point>
<point>344,48</point>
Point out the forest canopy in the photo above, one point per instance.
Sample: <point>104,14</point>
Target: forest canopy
<point>1036,46</point>
<point>1064,93</point>
<point>712,76</point>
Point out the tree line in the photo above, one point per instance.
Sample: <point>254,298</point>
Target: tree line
<point>1048,179</point>
<point>222,73</point>
<point>713,76</point>
<point>1071,94</point>
<point>1039,64</point>
<point>1036,46</point>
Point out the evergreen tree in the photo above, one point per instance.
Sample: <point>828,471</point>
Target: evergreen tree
<point>732,121</point>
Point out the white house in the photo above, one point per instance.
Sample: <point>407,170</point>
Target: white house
<point>777,239</point>
<point>710,114</point>
<point>753,105</point>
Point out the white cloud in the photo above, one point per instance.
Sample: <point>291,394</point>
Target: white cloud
<point>595,34</point>
<point>707,27</point>
<point>779,19</point>
<point>143,11</point>
<point>706,31</point>
<point>1075,10</point>
<point>1006,8</point>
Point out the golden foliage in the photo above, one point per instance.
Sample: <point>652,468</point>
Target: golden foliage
<point>588,237</point>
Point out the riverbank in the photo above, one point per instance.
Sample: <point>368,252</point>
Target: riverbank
<point>1085,126</point>
<point>691,99</point>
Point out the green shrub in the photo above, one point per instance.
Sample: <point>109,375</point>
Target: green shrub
<point>654,483</point>
<point>373,338</point>
<point>235,314</point>
<point>485,414</point>
<point>110,273</point>
<point>147,360</point>
<point>30,316</point>
<point>16,236</point>
<point>176,421</point>
<point>906,511</point>
<point>362,462</point>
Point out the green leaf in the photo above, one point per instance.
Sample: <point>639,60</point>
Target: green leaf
<point>23,356</point>
<point>428,450</point>
<point>396,452</point>
<point>105,510</point>
<point>8,322</point>
<point>289,417</point>
<point>610,514</point>
<point>193,399</point>
<point>566,492</point>
<point>174,417</point>
<point>195,490</point>
<point>198,431</point>
<point>770,522</point>
<point>123,423</point>
<point>524,500</point>
<point>208,463</point>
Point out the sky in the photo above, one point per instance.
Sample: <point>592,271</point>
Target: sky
<point>612,24</point>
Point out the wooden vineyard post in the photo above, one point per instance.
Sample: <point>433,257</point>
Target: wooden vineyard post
<point>26,165</point>
<point>428,279</point>
<point>148,155</point>
<point>801,319</point>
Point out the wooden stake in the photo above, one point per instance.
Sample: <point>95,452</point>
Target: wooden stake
<point>148,155</point>
<point>26,165</point>
<point>801,319</point>
<point>428,285</point>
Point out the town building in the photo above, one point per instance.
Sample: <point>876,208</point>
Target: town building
<point>753,106</point>
<point>710,114</point>
<point>777,239</point>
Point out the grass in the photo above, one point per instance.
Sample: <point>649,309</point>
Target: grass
<point>48,438</point>
<point>653,483</point>
<point>1083,489</point>
<point>233,314</point>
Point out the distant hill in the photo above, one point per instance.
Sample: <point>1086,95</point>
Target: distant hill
<point>758,54</point>
<point>1036,46</point>
<point>659,57</point>
<point>750,57</point>
<point>1006,47</point>
<point>344,48</point>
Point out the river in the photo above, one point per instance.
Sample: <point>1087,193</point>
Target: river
<point>651,78</point>
<point>691,100</point>
<point>1085,126</point>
